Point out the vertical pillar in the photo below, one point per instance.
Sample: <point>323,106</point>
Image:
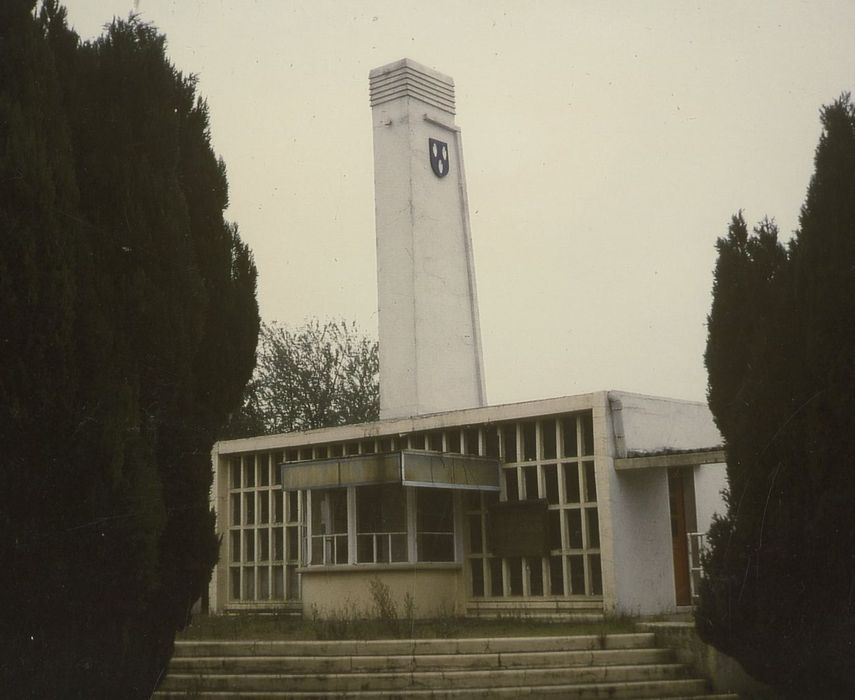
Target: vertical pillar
<point>430,343</point>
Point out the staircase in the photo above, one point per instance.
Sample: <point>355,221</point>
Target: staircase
<point>607,666</point>
<point>546,610</point>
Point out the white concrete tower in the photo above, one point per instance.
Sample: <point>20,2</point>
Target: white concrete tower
<point>430,337</point>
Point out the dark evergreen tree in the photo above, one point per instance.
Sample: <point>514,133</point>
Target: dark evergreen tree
<point>313,376</point>
<point>781,360</point>
<point>128,326</point>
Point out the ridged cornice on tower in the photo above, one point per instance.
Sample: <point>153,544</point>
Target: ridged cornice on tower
<point>406,78</point>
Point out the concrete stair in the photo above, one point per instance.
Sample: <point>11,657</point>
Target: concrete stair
<point>558,610</point>
<point>595,666</point>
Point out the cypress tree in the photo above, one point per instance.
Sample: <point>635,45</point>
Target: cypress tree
<point>781,360</point>
<point>129,325</point>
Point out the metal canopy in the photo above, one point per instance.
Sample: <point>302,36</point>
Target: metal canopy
<point>407,467</point>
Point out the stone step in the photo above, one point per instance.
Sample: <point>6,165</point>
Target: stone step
<point>411,647</point>
<point>681,689</point>
<point>417,662</point>
<point>553,610</point>
<point>427,680</point>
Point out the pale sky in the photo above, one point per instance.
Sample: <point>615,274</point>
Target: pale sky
<point>606,147</point>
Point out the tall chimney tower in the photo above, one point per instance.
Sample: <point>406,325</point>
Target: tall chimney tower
<point>430,337</point>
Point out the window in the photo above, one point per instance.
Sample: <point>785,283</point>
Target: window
<point>329,526</point>
<point>381,525</point>
<point>434,525</point>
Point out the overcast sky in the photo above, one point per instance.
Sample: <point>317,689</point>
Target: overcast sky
<point>606,147</point>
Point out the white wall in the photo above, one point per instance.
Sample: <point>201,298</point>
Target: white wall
<point>710,481</point>
<point>647,424</point>
<point>643,560</point>
<point>430,348</point>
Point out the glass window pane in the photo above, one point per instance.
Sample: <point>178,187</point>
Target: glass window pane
<point>470,438</point>
<point>550,481</point>
<point>535,577</point>
<point>574,528</point>
<point>248,583</point>
<point>587,434</point>
<point>278,583</point>
<point>293,583</point>
<point>547,433</point>
<point>556,576</point>
<point>568,433</point>
<point>452,441</point>
<point>329,511</point>
<point>577,574</point>
<point>555,529</point>
<point>249,545</point>
<point>477,571</point>
<point>515,570</point>
<point>509,438</point>
<point>530,479</point>
<point>571,483</point>
<point>472,500</point>
<point>263,544</point>
<point>293,506</point>
<point>292,552</point>
<point>381,508</point>
<point>365,548</point>
<point>263,575</point>
<point>235,468</point>
<point>590,482</point>
<point>264,506</point>
<point>249,508</point>
<point>236,509</point>
<point>279,507</point>
<point>529,441</point>
<point>249,470</point>
<point>491,442</point>
<point>235,546</point>
<point>475,546</point>
<point>234,587</point>
<point>399,547</point>
<point>434,510</point>
<point>596,574</point>
<point>496,586</point>
<point>435,442</point>
<point>512,490</point>
<point>593,528</point>
<point>263,470</point>
<point>278,544</point>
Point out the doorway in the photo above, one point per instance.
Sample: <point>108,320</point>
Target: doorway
<point>681,495</point>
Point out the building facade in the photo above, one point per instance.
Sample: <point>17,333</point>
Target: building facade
<point>580,504</point>
<point>585,503</point>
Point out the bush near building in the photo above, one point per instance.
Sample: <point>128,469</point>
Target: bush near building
<point>128,324</point>
<point>780,588</point>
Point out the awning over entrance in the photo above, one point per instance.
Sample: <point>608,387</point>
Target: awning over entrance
<point>407,467</point>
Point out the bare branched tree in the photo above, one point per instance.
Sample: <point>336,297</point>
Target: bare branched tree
<point>312,376</point>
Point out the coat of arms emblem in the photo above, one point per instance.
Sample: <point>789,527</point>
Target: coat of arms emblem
<point>438,152</point>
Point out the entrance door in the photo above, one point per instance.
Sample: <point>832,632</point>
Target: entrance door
<point>680,490</point>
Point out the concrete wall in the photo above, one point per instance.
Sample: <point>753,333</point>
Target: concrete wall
<point>430,347</point>
<point>644,562</point>
<point>710,481</point>
<point>347,592</point>
<point>647,424</point>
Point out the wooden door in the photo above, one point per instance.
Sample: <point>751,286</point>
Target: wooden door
<point>679,539</point>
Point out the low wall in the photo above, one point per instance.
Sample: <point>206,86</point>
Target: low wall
<point>726,673</point>
<point>346,591</point>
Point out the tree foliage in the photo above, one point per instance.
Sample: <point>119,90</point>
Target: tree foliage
<point>781,360</point>
<point>128,324</point>
<point>313,376</point>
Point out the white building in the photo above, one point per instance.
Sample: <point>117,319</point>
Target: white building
<point>573,505</point>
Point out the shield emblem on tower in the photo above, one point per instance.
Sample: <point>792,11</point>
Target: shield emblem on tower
<point>438,152</point>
